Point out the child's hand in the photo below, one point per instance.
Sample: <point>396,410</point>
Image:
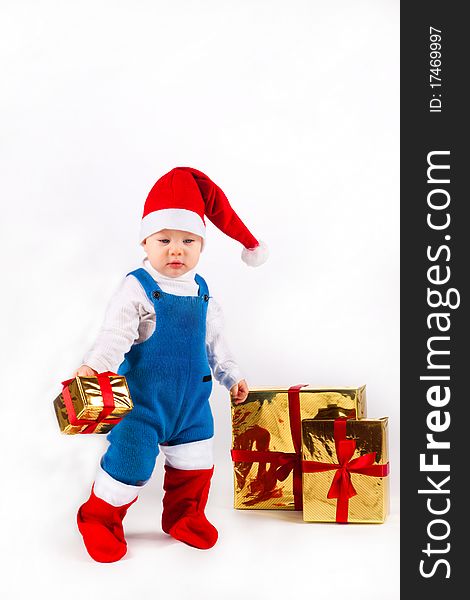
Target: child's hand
<point>85,371</point>
<point>239,391</point>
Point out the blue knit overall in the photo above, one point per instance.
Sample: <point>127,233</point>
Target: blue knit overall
<point>170,382</point>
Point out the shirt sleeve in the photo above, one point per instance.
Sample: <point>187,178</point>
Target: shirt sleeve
<point>222,362</point>
<point>120,328</point>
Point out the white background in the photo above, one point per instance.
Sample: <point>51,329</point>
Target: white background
<point>292,108</point>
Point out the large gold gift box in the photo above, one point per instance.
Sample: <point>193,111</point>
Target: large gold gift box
<point>345,470</point>
<point>266,440</point>
<point>92,404</point>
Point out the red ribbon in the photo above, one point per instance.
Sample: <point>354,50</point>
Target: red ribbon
<point>108,404</point>
<point>341,486</point>
<point>287,461</point>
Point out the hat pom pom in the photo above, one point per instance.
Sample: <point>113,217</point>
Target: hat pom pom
<point>254,257</point>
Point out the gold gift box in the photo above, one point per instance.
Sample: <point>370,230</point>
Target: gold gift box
<point>371,504</point>
<point>87,401</point>
<point>262,423</point>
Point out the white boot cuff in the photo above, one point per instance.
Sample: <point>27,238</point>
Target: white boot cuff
<point>112,491</point>
<point>192,455</point>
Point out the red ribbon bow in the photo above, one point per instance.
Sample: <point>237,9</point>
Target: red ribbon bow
<point>342,487</point>
<point>108,404</point>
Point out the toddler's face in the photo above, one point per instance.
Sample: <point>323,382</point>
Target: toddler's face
<point>172,252</point>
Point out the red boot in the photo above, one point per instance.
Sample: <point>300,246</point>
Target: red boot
<point>184,501</point>
<point>100,524</point>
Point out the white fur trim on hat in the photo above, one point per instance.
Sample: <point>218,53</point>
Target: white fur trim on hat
<point>254,257</point>
<point>172,218</point>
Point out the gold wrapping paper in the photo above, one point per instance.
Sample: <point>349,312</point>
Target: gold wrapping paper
<point>87,402</point>
<point>262,423</point>
<point>371,504</point>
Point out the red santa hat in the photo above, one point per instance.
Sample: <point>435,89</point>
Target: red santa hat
<point>180,200</point>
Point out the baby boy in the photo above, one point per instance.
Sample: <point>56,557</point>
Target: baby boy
<point>163,331</point>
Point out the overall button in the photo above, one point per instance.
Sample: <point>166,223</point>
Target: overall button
<point>206,297</point>
<point>156,295</point>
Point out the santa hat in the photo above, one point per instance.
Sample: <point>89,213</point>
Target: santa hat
<point>181,198</point>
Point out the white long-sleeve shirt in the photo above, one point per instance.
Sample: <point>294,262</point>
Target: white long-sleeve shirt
<point>130,319</point>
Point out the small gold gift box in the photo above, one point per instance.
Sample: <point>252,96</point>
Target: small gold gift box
<point>266,440</point>
<point>92,404</point>
<point>345,470</point>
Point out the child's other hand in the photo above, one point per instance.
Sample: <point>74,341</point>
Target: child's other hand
<point>85,371</point>
<point>239,391</point>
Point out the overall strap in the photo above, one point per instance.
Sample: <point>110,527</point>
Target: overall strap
<point>147,282</point>
<point>203,289</point>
